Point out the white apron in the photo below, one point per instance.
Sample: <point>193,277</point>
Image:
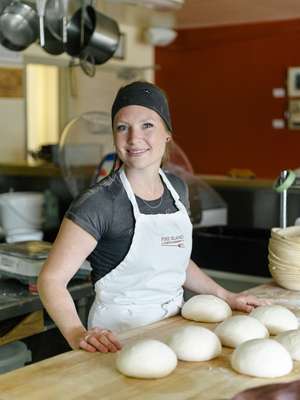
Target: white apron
<point>147,285</point>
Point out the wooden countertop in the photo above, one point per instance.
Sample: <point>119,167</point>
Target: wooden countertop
<point>80,375</point>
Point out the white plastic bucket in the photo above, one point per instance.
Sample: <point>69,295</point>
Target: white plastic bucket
<point>13,355</point>
<point>21,215</point>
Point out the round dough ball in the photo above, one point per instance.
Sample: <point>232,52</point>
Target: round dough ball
<point>206,308</point>
<point>146,358</point>
<point>291,341</point>
<point>276,318</point>
<point>240,328</point>
<point>264,358</point>
<point>195,343</point>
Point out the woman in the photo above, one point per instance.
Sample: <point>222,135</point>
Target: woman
<point>135,228</point>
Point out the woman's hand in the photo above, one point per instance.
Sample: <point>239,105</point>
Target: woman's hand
<point>244,302</point>
<point>98,339</point>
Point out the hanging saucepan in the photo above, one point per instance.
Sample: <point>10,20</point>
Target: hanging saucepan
<point>6,43</point>
<point>54,12</point>
<point>53,18</point>
<point>52,45</point>
<point>52,28</point>
<point>19,24</point>
<point>104,39</point>
<point>79,31</point>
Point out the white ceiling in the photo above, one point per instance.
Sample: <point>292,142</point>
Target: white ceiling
<point>201,13</point>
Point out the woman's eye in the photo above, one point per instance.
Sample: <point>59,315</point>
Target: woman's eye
<point>121,128</point>
<point>147,125</point>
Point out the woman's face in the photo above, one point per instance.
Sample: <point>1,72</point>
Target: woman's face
<point>140,137</point>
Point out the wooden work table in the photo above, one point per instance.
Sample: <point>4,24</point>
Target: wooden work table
<point>81,375</point>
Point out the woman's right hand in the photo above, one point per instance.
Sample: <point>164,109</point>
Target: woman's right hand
<point>102,340</point>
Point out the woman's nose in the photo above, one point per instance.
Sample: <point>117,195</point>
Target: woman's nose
<point>133,135</point>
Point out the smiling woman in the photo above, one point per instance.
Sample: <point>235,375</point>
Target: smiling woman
<point>135,228</point>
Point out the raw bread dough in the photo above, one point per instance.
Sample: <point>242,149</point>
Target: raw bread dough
<point>276,318</point>
<point>195,343</point>
<point>146,358</point>
<point>206,308</point>
<point>291,341</point>
<point>264,358</point>
<point>240,328</point>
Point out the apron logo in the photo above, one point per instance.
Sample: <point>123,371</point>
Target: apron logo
<point>177,241</point>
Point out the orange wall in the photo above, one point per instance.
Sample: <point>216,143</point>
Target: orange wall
<point>219,82</point>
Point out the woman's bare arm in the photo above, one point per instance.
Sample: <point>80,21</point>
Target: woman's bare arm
<point>70,249</point>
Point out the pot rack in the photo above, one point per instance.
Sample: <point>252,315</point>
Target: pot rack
<point>87,61</point>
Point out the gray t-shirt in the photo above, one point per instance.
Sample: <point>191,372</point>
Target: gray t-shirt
<point>105,211</point>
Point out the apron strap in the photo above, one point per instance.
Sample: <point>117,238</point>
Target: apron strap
<point>130,193</point>
<point>173,192</point>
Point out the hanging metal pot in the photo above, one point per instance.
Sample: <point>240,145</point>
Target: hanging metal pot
<point>19,24</point>
<point>10,46</point>
<point>105,37</point>
<point>52,29</point>
<point>79,31</point>
<point>53,18</point>
<point>52,45</point>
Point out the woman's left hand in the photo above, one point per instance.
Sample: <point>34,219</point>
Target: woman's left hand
<point>244,302</point>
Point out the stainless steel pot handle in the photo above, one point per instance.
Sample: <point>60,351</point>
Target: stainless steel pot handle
<point>41,5</point>
<point>87,64</point>
<point>65,4</point>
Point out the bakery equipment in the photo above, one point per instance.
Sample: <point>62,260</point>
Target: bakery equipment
<point>24,260</point>
<point>207,208</point>
<point>83,143</point>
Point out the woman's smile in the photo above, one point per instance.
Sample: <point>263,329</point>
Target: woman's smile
<point>137,152</point>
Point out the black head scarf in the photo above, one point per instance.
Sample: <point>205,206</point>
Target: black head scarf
<point>144,94</point>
